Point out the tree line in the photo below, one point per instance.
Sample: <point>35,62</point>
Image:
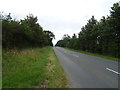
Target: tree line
<point>24,33</point>
<point>101,36</point>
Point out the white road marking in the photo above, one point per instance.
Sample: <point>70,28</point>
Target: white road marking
<point>112,71</point>
<point>75,55</point>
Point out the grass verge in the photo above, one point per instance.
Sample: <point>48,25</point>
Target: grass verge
<point>30,68</point>
<point>95,54</point>
<point>55,77</point>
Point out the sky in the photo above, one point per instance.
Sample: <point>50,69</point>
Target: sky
<point>59,16</point>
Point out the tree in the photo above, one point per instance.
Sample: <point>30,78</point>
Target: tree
<point>64,42</point>
<point>73,42</point>
<point>98,37</point>
<point>114,24</point>
<point>50,36</point>
<point>24,33</point>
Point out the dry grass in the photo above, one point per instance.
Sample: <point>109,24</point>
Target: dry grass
<point>28,68</point>
<point>55,73</point>
<point>55,77</point>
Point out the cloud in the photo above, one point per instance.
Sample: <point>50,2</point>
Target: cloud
<point>59,16</point>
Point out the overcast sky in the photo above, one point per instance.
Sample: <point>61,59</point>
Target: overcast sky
<point>59,16</point>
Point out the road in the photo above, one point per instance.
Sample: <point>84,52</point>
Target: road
<point>86,71</point>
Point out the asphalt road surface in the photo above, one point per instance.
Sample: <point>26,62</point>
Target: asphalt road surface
<point>86,71</point>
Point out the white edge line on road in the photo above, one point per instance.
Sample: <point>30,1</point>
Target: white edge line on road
<point>112,71</point>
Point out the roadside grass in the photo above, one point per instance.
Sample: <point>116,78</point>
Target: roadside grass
<point>95,54</point>
<point>27,68</point>
<point>55,73</point>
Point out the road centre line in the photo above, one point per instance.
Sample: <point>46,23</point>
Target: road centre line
<point>75,55</point>
<point>112,71</point>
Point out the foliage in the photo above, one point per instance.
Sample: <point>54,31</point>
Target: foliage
<point>24,33</point>
<point>101,37</point>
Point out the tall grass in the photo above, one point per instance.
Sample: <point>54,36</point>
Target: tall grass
<point>24,68</point>
<point>32,68</point>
